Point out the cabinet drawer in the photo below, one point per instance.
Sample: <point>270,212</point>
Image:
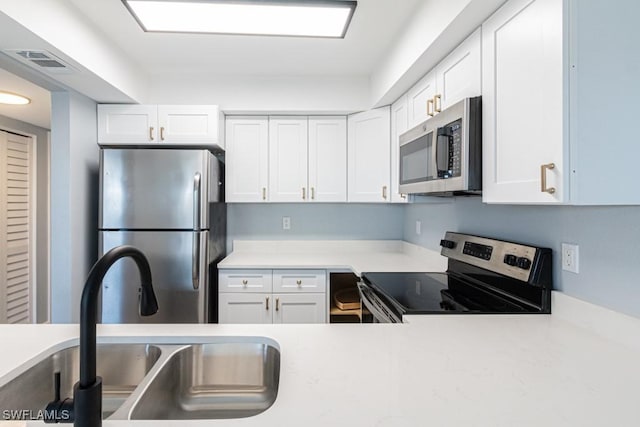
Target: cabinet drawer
<point>245,281</point>
<point>293,281</point>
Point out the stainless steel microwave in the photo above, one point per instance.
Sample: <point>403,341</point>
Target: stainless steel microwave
<point>443,155</point>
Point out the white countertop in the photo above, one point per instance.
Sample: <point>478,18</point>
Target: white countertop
<point>356,255</point>
<point>436,370</point>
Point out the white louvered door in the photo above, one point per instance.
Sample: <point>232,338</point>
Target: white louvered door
<point>15,231</point>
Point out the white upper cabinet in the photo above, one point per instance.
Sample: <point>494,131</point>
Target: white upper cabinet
<point>399,125</point>
<point>247,159</point>
<point>456,77</point>
<point>369,152</point>
<point>459,75</point>
<point>127,124</point>
<point>175,125</point>
<point>522,89</point>
<point>328,159</point>
<point>288,159</point>
<point>420,100</point>
<point>186,124</point>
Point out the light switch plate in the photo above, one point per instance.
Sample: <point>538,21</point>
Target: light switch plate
<point>286,223</point>
<point>418,227</point>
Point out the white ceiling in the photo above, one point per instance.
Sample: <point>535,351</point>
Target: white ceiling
<point>373,28</point>
<point>38,112</point>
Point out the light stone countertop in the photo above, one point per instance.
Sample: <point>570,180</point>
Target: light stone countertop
<point>356,255</point>
<point>435,370</point>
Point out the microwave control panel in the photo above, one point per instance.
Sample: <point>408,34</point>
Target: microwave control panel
<point>453,134</point>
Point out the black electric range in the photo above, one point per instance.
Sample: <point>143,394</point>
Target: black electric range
<point>484,276</point>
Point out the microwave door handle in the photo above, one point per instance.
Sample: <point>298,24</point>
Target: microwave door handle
<point>442,143</point>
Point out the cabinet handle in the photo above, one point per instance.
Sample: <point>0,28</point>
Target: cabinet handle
<point>404,196</point>
<point>437,103</point>
<point>267,303</point>
<point>304,193</point>
<point>264,193</point>
<point>298,282</point>
<point>245,281</point>
<point>543,178</point>
<point>151,133</point>
<point>161,133</point>
<point>384,192</point>
<point>313,193</point>
<point>430,110</point>
<point>277,304</point>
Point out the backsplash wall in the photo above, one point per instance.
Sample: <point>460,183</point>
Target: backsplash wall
<point>319,221</point>
<point>609,240</point>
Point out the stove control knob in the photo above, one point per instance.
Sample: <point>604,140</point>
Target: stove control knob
<point>510,260</point>
<point>524,263</point>
<point>449,244</point>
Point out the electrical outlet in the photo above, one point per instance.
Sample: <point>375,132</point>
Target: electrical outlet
<point>570,258</point>
<point>286,223</point>
<point>418,227</point>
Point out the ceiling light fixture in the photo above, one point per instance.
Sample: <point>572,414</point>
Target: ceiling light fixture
<point>13,98</point>
<point>298,18</point>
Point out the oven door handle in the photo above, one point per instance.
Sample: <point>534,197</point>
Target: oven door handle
<point>369,300</point>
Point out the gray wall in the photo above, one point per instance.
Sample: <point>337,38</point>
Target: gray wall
<point>74,200</point>
<point>609,240</point>
<point>313,221</point>
<point>42,210</point>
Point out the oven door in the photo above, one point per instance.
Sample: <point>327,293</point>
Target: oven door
<point>379,311</point>
<point>419,161</point>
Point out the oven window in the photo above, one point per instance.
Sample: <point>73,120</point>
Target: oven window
<point>416,160</point>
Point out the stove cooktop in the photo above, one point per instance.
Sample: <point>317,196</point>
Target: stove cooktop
<point>433,293</point>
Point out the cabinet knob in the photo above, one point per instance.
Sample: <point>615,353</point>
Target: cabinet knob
<point>304,193</point>
<point>543,178</point>
<point>161,133</point>
<point>245,281</point>
<point>277,304</point>
<point>264,193</point>
<point>430,111</point>
<point>384,192</point>
<point>313,193</point>
<point>151,133</point>
<point>299,282</point>
<point>266,303</point>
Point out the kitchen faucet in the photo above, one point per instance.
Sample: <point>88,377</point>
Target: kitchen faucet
<point>85,409</point>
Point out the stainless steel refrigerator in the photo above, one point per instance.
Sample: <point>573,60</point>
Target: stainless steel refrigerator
<point>167,203</point>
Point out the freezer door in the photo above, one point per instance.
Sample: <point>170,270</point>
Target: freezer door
<point>157,188</point>
<point>179,271</point>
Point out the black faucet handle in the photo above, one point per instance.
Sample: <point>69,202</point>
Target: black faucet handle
<point>58,411</point>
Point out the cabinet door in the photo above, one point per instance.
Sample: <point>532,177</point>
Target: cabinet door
<point>247,159</point>
<point>369,152</point>
<point>189,124</point>
<point>417,99</point>
<point>127,124</point>
<point>328,159</point>
<point>288,159</point>
<point>399,122</point>
<point>459,75</point>
<point>522,89</point>
<point>245,308</point>
<point>300,308</point>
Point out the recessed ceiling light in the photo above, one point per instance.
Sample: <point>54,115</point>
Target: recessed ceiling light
<point>300,18</point>
<point>13,98</point>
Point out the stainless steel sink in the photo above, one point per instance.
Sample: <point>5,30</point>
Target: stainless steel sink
<point>216,380</point>
<point>121,366</point>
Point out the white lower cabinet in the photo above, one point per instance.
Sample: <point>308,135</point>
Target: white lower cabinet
<point>272,296</point>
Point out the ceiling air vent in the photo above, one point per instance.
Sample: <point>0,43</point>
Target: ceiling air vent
<point>42,60</point>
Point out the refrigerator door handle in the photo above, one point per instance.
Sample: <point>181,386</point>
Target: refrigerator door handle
<point>195,262</point>
<point>197,194</point>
